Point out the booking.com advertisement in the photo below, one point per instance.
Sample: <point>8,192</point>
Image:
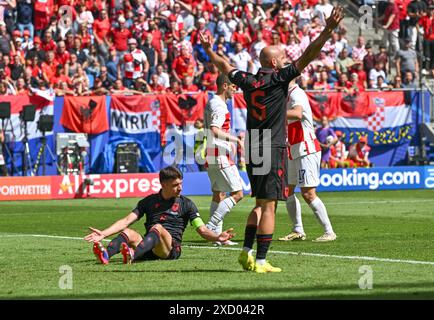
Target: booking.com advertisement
<point>141,185</point>
<point>394,178</point>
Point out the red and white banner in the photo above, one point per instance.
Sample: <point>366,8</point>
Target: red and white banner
<point>79,186</point>
<point>25,188</point>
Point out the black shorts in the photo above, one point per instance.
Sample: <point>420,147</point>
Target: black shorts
<point>174,254</point>
<point>274,184</point>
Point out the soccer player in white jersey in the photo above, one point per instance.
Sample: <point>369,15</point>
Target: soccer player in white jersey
<point>304,153</point>
<point>222,171</point>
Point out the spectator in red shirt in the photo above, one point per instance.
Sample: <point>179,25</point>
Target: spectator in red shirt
<point>183,66</point>
<point>391,27</point>
<point>22,88</point>
<point>175,87</point>
<point>62,56</point>
<point>188,86</point>
<point>43,10</point>
<point>359,153</point>
<point>427,23</point>
<point>210,77</point>
<point>60,76</point>
<point>155,86</point>
<point>241,35</point>
<point>49,66</point>
<point>343,84</point>
<point>101,26</point>
<point>120,36</point>
<point>322,84</point>
<point>157,37</point>
<point>48,44</point>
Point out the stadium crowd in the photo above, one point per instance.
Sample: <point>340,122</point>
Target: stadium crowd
<point>82,47</point>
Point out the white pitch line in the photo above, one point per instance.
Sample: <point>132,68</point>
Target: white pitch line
<point>293,253</point>
<point>352,203</point>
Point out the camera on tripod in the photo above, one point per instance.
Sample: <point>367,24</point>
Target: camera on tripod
<point>72,152</point>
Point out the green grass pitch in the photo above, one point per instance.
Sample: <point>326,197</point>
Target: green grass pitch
<point>390,232</point>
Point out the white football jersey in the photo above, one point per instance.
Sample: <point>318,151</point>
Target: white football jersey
<point>218,115</point>
<point>301,133</point>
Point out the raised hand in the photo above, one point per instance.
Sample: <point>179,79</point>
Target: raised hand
<point>206,41</point>
<point>335,18</point>
<point>95,236</point>
<point>226,235</point>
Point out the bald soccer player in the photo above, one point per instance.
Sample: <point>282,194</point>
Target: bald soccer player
<point>265,94</point>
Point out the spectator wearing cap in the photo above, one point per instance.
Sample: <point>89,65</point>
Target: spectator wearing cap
<point>120,36</point>
<point>406,60</point>
<point>359,153</point>
<point>198,50</point>
<point>25,16</point>
<point>36,50</point>
<point>27,41</point>
<point>134,64</point>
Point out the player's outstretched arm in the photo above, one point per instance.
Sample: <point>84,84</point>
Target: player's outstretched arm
<point>315,47</point>
<point>207,234</point>
<point>221,64</point>
<point>118,226</point>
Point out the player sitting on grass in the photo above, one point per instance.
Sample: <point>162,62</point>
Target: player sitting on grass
<point>167,214</point>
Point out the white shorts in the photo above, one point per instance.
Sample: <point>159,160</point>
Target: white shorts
<point>304,171</point>
<point>224,180</point>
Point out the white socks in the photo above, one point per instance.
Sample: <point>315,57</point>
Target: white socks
<point>294,211</point>
<point>320,212</point>
<point>223,208</point>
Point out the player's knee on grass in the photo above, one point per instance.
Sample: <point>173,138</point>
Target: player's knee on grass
<point>134,237</point>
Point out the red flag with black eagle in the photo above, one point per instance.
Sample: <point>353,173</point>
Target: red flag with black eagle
<point>85,114</point>
<point>181,109</point>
